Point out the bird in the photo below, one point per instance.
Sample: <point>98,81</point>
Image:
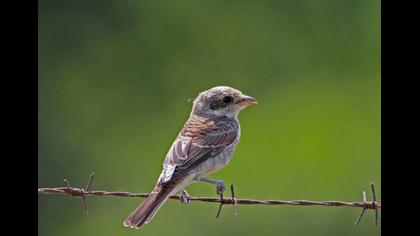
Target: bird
<point>204,145</point>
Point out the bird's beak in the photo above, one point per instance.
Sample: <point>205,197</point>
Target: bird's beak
<point>247,101</point>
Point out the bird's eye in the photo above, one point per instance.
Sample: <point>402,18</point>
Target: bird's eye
<point>227,99</point>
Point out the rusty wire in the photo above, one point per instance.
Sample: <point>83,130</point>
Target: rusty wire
<point>84,192</point>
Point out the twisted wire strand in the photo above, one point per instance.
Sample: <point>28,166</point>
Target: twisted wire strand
<point>84,192</point>
<point>77,192</point>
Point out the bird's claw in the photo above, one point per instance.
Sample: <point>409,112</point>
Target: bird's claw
<point>220,187</point>
<point>184,197</point>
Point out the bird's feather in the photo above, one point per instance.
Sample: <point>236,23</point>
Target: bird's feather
<point>200,139</point>
<point>147,210</point>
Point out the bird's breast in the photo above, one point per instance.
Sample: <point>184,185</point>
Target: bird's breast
<point>213,164</point>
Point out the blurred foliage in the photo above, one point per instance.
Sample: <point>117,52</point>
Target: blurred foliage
<point>114,82</point>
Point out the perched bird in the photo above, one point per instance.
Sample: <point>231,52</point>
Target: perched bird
<point>204,145</point>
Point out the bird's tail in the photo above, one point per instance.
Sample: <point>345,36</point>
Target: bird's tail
<point>145,211</point>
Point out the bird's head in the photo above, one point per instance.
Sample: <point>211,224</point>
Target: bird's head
<point>221,101</point>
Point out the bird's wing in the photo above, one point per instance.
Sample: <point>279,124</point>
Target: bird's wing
<point>200,139</point>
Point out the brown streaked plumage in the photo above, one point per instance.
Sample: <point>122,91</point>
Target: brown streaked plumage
<point>204,145</point>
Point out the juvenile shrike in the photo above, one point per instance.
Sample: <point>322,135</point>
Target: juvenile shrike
<point>204,145</point>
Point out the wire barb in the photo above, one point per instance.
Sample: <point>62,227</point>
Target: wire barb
<point>90,181</point>
<point>232,201</point>
<point>235,203</point>
<point>363,210</point>
<point>374,205</point>
<point>220,206</point>
<point>87,190</point>
<point>372,186</point>
<point>78,192</point>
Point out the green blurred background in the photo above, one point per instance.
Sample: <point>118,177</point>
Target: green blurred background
<point>114,82</point>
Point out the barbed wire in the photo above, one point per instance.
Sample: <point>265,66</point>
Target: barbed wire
<point>84,192</point>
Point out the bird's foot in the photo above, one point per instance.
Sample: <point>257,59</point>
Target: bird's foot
<point>220,187</point>
<point>184,197</point>
<point>220,184</point>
